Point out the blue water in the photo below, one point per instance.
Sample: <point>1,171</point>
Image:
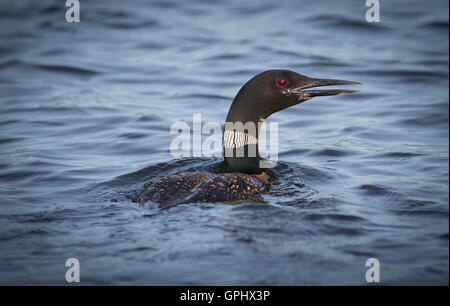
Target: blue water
<point>85,113</point>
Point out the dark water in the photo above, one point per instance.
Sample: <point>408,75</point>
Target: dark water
<point>85,112</point>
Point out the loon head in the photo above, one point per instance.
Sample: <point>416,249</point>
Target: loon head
<point>274,90</point>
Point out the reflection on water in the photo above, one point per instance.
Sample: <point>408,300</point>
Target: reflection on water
<point>85,115</point>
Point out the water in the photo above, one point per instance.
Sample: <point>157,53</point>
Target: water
<point>85,112</point>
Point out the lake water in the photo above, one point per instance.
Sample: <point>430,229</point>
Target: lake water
<point>85,113</point>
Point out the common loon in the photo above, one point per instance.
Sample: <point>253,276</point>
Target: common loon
<point>244,177</point>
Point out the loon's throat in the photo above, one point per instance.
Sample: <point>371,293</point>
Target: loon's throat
<point>233,139</point>
<point>240,145</point>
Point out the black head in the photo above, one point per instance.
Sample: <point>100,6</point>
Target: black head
<point>274,90</point>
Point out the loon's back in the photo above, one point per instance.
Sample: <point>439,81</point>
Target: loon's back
<point>195,187</point>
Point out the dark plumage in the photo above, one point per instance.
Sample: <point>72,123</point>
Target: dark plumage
<point>265,94</point>
<point>195,187</point>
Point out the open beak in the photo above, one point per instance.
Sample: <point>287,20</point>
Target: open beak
<point>311,82</point>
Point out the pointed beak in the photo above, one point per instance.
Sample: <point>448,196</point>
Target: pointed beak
<point>311,82</point>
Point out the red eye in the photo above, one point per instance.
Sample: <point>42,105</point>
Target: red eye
<point>282,82</point>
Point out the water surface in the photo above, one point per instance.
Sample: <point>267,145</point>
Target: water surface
<point>85,113</point>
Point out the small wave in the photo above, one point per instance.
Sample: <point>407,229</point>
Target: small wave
<point>68,69</point>
<point>294,152</point>
<point>256,9</point>
<point>149,118</point>
<point>11,63</point>
<point>342,231</point>
<point>333,217</point>
<point>108,13</point>
<point>133,135</point>
<point>208,97</point>
<point>353,24</point>
<point>436,213</point>
<point>51,9</point>
<point>376,190</point>
<point>123,23</point>
<point>332,152</point>
<point>151,46</point>
<point>4,141</point>
<point>20,175</point>
<point>55,51</point>
<point>19,64</point>
<point>426,120</point>
<point>227,56</point>
<point>436,25</point>
<point>398,155</point>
